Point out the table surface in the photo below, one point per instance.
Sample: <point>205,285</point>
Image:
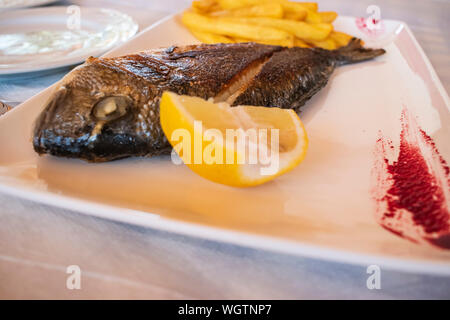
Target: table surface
<point>38,242</point>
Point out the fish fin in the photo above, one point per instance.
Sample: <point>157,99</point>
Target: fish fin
<point>355,52</point>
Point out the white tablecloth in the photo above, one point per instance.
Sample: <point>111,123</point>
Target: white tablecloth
<point>38,242</point>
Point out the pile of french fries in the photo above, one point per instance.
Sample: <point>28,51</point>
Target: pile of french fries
<point>276,22</point>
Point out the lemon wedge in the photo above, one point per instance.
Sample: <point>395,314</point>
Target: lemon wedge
<point>238,146</point>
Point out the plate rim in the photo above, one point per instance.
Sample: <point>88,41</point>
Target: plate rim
<point>37,3</point>
<point>75,61</point>
<point>241,238</point>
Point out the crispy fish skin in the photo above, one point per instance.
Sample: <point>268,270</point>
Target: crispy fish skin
<point>295,75</point>
<point>303,72</point>
<point>71,124</point>
<point>68,128</point>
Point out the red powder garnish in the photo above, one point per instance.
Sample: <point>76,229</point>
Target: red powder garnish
<point>412,192</point>
<point>376,29</point>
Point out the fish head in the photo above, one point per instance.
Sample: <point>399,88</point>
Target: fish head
<point>97,113</point>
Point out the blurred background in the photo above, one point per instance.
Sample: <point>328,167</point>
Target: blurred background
<point>37,242</point>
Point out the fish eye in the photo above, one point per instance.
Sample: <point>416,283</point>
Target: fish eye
<point>111,108</point>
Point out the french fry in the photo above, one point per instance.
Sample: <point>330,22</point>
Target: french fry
<point>310,5</point>
<point>284,43</point>
<point>207,37</point>
<point>294,9</point>
<point>325,27</point>
<point>238,40</point>
<point>313,17</point>
<point>300,43</point>
<point>341,39</point>
<point>234,4</point>
<point>328,16</point>
<point>269,10</point>
<point>302,30</point>
<point>328,44</point>
<point>295,16</point>
<point>204,6</point>
<point>275,22</point>
<point>233,28</point>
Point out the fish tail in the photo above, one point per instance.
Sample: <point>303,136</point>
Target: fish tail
<point>355,52</point>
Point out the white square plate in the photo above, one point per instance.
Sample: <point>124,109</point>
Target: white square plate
<point>324,208</point>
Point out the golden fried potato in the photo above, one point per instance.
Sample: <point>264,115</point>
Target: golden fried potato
<point>300,43</point>
<point>328,44</point>
<point>310,5</point>
<point>328,16</point>
<point>207,37</point>
<point>341,39</point>
<point>328,27</point>
<point>233,27</point>
<point>313,17</point>
<point>204,6</point>
<point>234,4</point>
<point>276,22</point>
<point>297,16</point>
<point>268,10</point>
<point>238,40</point>
<point>283,43</point>
<point>300,29</point>
<point>294,10</point>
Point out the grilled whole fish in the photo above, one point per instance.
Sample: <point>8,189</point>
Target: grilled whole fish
<point>108,108</point>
